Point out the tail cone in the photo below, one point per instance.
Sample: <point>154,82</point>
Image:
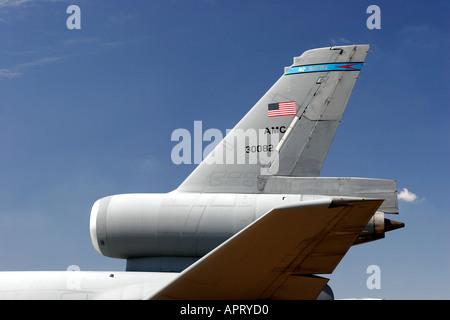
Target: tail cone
<point>390,225</point>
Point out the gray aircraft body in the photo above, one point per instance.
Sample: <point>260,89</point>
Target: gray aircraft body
<point>254,220</point>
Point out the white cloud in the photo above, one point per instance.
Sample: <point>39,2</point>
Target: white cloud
<point>17,3</point>
<point>12,3</point>
<point>19,69</point>
<point>407,195</point>
<point>38,62</point>
<point>10,74</point>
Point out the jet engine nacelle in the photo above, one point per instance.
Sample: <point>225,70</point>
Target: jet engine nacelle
<point>186,224</point>
<point>174,224</point>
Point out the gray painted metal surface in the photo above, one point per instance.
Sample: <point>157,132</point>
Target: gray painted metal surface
<point>81,285</point>
<point>265,168</point>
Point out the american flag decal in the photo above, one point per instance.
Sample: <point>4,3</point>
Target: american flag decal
<point>281,109</point>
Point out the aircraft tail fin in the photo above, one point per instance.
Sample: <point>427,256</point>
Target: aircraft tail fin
<point>289,130</point>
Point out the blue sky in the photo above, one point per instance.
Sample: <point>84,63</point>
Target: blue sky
<point>89,113</point>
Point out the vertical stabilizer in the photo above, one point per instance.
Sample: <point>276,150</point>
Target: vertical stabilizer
<point>288,132</point>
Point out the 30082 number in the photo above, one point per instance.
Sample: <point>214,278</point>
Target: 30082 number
<point>259,148</point>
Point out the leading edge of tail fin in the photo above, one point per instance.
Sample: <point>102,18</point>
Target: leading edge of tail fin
<point>288,132</point>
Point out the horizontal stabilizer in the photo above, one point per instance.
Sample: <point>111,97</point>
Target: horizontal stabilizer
<point>343,187</point>
<point>276,256</point>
